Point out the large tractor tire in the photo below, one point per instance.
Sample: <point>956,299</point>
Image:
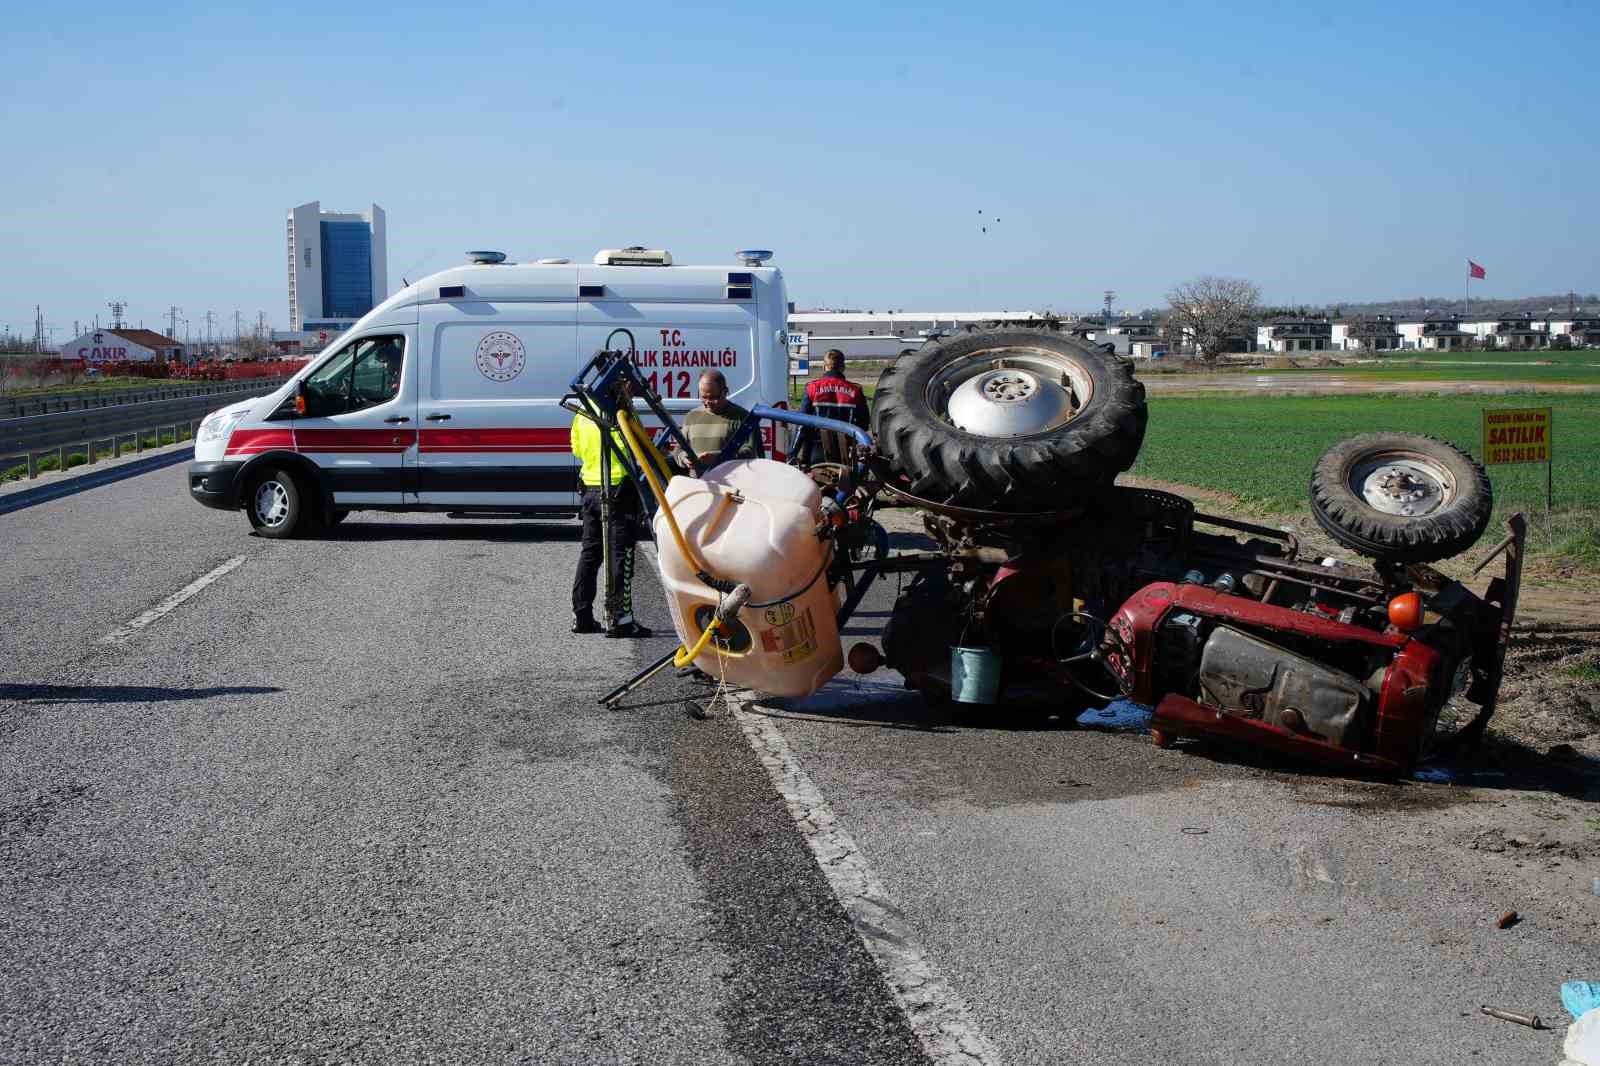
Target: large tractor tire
<point>1400,497</point>
<point>1013,420</point>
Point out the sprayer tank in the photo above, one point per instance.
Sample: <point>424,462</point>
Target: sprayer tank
<point>754,521</point>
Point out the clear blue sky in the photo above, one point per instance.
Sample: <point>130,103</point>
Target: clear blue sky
<point>1327,152</point>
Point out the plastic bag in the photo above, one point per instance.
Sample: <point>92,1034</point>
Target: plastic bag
<point>1583,1038</point>
<point>1580,997</point>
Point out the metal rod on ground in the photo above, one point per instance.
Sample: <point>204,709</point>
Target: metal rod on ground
<point>637,679</point>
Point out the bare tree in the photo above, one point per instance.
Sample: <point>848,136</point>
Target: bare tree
<point>1210,311</point>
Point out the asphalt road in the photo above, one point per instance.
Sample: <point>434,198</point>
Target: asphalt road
<point>353,802</point>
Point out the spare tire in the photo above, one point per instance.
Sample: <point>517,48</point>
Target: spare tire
<point>1401,497</point>
<point>1009,419</point>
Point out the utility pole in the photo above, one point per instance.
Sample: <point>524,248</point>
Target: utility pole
<point>261,324</point>
<point>211,321</point>
<point>238,328</point>
<point>117,309</point>
<point>38,330</point>
<point>1110,297</point>
<point>172,320</point>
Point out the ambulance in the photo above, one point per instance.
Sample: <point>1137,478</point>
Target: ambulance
<point>447,396</point>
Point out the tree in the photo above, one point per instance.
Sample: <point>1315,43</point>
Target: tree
<point>1210,311</point>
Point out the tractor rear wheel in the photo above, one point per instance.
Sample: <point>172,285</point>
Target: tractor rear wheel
<point>1009,419</point>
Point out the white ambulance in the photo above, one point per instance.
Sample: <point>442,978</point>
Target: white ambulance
<point>446,397</point>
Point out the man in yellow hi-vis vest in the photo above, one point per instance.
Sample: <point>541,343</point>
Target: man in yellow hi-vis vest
<point>624,506</point>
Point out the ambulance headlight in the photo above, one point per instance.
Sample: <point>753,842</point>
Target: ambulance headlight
<point>217,426</point>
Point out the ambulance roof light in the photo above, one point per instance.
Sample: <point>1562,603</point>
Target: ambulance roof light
<point>633,255</point>
<point>486,258</point>
<point>753,257</point>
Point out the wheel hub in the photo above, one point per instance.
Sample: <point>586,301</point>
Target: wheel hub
<point>272,503</point>
<point>1008,402</point>
<point>1403,487</point>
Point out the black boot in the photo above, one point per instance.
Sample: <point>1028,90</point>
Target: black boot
<point>631,630</point>
<point>585,623</point>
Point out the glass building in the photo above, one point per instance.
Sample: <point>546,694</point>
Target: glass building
<point>338,265</point>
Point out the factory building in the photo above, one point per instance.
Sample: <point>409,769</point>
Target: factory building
<point>122,345</point>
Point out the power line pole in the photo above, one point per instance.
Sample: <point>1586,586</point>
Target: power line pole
<point>172,320</point>
<point>261,324</point>
<point>238,328</point>
<point>38,330</point>
<point>211,320</point>
<point>117,309</point>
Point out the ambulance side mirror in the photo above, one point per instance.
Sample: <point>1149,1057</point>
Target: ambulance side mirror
<point>300,397</point>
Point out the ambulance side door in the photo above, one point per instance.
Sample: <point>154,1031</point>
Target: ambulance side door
<point>493,435</point>
<point>360,423</point>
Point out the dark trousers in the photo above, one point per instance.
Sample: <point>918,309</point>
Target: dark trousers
<point>624,523</point>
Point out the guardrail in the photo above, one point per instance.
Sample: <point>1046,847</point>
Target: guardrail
<point>62,434</point>
<point>22,406</point>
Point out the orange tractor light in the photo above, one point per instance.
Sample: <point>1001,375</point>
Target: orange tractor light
<point>1405,611</point>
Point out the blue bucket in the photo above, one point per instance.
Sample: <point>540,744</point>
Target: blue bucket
<point>974,674</point>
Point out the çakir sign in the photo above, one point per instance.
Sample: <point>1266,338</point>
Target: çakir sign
<point>1517,435</point>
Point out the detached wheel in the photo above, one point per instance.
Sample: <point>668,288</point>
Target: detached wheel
<point>1401,497</point>
<point>1009,419</point>
<point>275,505</point>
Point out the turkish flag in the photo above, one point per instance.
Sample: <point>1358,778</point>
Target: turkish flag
<point>1474,270</point>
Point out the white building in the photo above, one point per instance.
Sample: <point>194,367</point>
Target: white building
<point>885,334</point>
<point>1373,333</point>
<point>122,345</point>
<point>1434,331</point>
<point>1580,330</point>
<point>1293,333</point>
<point>338,267</point>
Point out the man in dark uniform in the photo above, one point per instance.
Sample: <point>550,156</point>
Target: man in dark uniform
<point>830,396</point>
<point>624,501</point>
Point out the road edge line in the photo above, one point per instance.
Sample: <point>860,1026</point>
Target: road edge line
<point>123,633</point>
<point>935,1011</point>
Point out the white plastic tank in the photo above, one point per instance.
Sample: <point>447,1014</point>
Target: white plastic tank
<point>754,521</point>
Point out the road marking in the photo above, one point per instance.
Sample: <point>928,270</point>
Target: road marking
<point>937,1014</point>
<point>122,633</point>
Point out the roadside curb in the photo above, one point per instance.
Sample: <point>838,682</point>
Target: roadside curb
<point>55,485</point>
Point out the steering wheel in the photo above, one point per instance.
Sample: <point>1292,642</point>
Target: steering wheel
<point>1098,631</point>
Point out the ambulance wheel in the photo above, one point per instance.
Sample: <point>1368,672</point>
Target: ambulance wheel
<point>1401,497</point>
<point>1009,419</point>
<point>275,505</point>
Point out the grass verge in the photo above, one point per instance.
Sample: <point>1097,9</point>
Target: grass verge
<point>52,462</point>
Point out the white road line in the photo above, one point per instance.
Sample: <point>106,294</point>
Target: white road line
<point>937,1014</point>
<point>122,633</point>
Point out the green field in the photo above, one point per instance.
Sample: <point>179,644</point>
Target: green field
<point>1565,368</point>
<point>1262,448</point>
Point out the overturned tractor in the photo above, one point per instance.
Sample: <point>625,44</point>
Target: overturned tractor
<point>1051,585</point>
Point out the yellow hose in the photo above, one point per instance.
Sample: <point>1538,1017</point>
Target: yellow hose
<point>626,420</point>
<point>631,432</point>
<point>684,656</point>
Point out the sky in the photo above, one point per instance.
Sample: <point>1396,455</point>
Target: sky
<point>1328,153</point>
